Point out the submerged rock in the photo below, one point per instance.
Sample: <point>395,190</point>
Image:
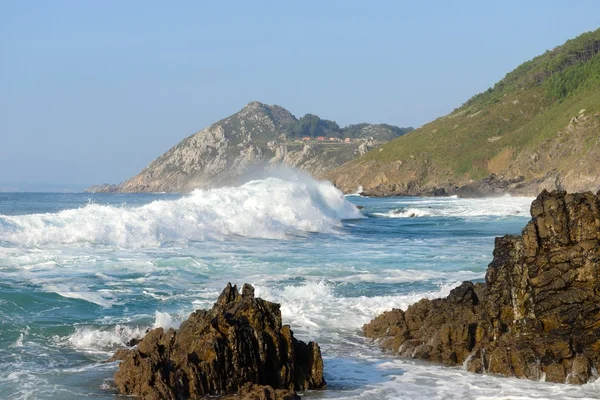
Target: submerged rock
<point>538,314</point>
<point>239,348</point>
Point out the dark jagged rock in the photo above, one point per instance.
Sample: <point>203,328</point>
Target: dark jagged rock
<point>538,314</point>
<point>240,341</point>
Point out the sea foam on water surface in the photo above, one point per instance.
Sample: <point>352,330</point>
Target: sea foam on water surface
<point>455,207</point>
<point>314,308</point>
<point>107,339</point>
<point>271,208</point>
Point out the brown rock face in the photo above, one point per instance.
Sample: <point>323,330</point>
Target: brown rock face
<point>239,346</point>
<point>252,391</point>
<point>538,314</point>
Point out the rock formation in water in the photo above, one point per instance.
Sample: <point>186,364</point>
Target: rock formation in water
<point>537,315</point>
<point>239,348</point>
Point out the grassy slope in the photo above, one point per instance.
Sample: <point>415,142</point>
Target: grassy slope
<point>489,132</point>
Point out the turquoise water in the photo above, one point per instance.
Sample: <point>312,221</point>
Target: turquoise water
<point>82,274</point>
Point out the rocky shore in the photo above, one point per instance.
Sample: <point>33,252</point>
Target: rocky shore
<point>490,186</point>
<point>537,315</point>
<point>238,350</point>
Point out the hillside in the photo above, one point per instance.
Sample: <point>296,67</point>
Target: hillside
<point>256,138</point>
<point>539,127</point>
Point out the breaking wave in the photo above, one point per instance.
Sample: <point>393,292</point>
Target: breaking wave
<point>357,193</point>
<point>109,338</point>
<point>314,307</point>
<point>271,208</point>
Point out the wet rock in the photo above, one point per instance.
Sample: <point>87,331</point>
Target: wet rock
<point>260,392</point>
<point>536,316</point>
<point>119,355</point>
<point>240,341</point>
<point>581,370</point>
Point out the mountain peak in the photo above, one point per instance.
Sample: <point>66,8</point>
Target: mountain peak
<point>279,115</point>
<point>255,105</point>
<point>252,139</point>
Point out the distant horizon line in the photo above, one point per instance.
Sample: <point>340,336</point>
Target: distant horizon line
<point>41,187</point>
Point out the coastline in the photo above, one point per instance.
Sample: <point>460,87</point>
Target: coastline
<point>136,269</point>
<point>534,316</point>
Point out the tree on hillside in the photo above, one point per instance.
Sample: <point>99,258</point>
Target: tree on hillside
<point>311,125</point>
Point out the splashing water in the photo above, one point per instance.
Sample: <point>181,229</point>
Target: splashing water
<point>271,208</point>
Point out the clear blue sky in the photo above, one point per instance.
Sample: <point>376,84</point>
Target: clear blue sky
<point>91,92</point>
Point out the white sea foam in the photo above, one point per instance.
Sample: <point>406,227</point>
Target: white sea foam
<point>409,275</point>
<point>409,212</point>
<point>456,207</point>
<point>19,341</point>
<point>95,339</point>
<point>101,299</point>
<point>357,193</point>
<point>164,320</point>
<point>407,379</point>
<point>313,307</point>
<point>270,208</point>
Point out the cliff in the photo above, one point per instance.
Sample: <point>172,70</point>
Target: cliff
<point>537,314</point>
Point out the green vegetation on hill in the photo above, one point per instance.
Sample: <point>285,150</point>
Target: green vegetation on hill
<point>585,75</point>
<point>312,126</point>
<point>361,130</point>
<point>495,131</point>
<point>555,67</point>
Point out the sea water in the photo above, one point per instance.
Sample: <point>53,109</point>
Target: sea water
<point>83,274</point>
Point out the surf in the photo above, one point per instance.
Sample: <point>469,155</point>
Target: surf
<point>271,208</point>
<point>447,207</point>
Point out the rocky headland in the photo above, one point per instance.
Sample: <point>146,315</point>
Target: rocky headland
<point>537,315</point>
<point>238,350</point>
<point>255,140</point>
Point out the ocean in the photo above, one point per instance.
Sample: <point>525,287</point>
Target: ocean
<point>83,274</point>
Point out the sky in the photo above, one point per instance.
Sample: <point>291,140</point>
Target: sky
<point>92,92</point>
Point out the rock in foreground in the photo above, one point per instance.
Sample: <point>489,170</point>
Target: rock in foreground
<point>239,348</point>
<point>538,314</point>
